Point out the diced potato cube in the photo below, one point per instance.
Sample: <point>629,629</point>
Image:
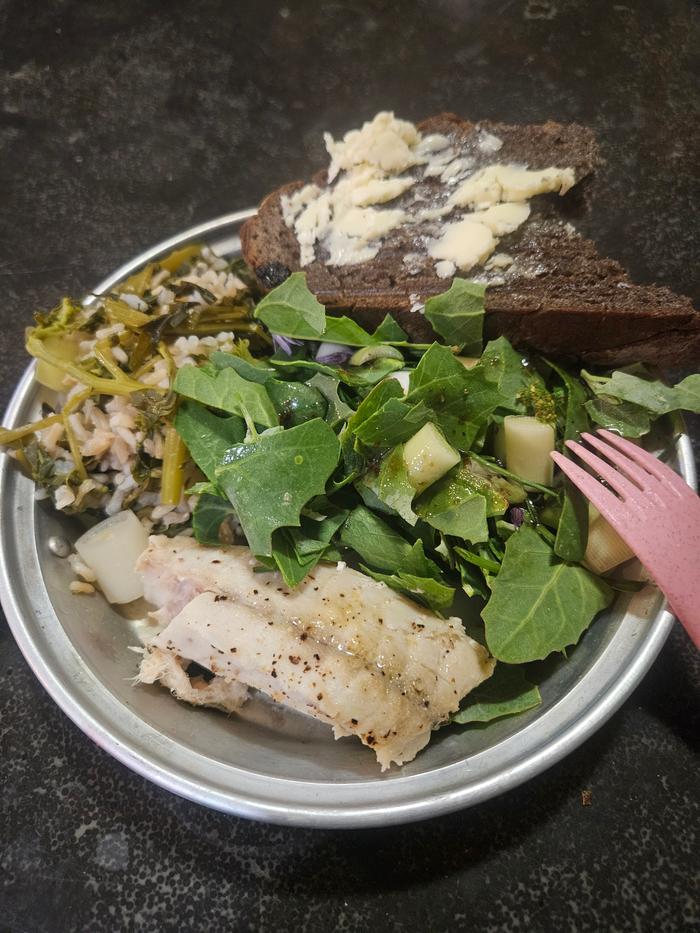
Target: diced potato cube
<point>111,549</point>
<point>528,444</point>
<point>605,548</point>
<point>428,456</point>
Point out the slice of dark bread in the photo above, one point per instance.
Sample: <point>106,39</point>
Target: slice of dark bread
<point>559,296</point>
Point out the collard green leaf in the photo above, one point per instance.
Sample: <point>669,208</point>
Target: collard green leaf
<point>458,315</point>
<point>382,547</point>
<point>538,603</point>
<point>207,436</point>
<point>209,519</point>
<point>652,395</point>
<point>228,391</point>
<point>390,484</point>
<point>506,692</point>
<point>271,480</point>
<point>292,310</point>
<point>432,593</point>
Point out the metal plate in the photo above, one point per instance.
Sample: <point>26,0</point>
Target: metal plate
<point>269,763</point>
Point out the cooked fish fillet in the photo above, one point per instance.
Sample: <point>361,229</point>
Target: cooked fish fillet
<point>340,647</point>
<point>169,670</point>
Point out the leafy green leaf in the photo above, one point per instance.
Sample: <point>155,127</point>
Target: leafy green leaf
<point>459,504</point>
<point>462,482</point>
<point>506,692</point>
<point>572,528</point>
<point>296,402</point>
<point>432,593</point>
<point>373,403</point>
<point>539,604</point>
<point>458,315</point>
<point>379,545</point>
<point>391,485</point>
<point>369,375</point>
<point>465,519</point>
<point>296,551</point>
<point>227,391</point>
<point>472,579</point>
<point>346,331</point>
<point>625,418</point>
<point>504,373</point>
<point>207,436</point>
<point>328,386</point>
<point>292,567</point>
<point>440,382</point>
<point>390,332</point>
<point>271,480</point>
<point>252,371</point>
<point>209,515</point>
<point>359,377</point>
<point>395,422</point>
<point>292,310</point>
<point>650,394</point>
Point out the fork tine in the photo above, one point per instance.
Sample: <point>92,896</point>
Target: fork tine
<point>652,464</point>
<point>631,469</point>
<point>607,504</point>
<point>615,480</point>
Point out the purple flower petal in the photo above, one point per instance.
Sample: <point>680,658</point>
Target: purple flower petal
<point>285,344</point>
<point>516,516</point>
<point>333,353</point>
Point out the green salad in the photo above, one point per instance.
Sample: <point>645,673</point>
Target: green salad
<point>271,422</point>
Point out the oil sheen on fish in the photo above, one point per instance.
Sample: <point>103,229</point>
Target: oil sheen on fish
<point>340,647</point>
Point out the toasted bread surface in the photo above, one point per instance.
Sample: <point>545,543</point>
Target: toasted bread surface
<point>559,296</point>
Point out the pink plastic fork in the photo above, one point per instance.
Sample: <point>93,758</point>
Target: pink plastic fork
<point>652,509</point>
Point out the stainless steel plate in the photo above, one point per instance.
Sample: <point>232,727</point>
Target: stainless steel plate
<point>269,763</point>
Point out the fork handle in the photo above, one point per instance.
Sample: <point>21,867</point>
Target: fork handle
<point>682,589</point>
<point>687,611</point>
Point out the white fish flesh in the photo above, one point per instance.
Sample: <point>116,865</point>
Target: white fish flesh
<point>340,647</point>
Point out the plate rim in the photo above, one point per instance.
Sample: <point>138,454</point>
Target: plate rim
<point>445,791</point>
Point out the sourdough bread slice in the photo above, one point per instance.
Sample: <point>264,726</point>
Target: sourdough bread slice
<point>558,296</point>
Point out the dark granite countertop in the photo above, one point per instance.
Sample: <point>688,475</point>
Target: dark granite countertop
<point>122,123</point>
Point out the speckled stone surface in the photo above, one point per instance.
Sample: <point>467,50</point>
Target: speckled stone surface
<point>122,123</point>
